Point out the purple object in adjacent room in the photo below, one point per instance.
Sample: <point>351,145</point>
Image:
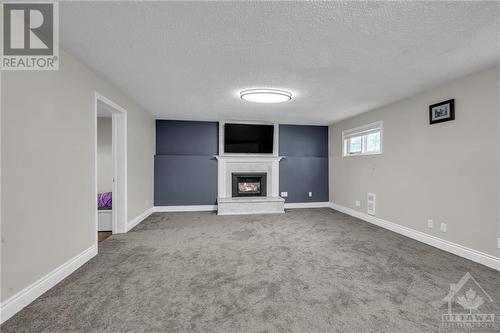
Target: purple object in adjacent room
<point>104,200</point>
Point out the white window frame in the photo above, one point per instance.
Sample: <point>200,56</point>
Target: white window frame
<point>362,131</point>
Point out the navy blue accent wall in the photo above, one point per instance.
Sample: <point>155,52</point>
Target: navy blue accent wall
<point>185,169</point>
<point>175,137</point>
<point>305,166</point>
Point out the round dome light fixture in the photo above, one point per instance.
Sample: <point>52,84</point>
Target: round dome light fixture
<point>261,95</point>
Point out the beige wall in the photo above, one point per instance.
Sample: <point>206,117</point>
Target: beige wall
<point>48,167</point>
<point>448,172</point>
<point>104,158</point>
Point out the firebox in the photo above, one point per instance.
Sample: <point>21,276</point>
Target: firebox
<point>249,184</point>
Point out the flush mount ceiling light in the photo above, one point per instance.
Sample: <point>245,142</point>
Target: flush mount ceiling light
<point>265,95</point>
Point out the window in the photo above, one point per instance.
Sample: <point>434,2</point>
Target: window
<point>364,140</point>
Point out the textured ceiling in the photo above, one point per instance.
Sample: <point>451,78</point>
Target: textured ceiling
<point>188,60</point>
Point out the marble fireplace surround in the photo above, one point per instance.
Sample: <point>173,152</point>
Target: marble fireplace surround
<point>227,165</point>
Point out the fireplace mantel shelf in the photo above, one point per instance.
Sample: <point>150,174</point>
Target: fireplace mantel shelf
<point>248,157</point>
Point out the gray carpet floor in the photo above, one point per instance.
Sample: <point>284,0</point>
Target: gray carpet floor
<point>309,270</point>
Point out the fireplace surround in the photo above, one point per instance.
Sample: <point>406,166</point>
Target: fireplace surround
<point>248,184</point>
<point>267,202</point>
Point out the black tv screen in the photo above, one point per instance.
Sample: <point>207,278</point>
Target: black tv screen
<point>249,139</point>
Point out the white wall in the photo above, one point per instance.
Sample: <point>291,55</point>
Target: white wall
<point>48,167</point>
<point>104,157</point>
<point>448,172</point>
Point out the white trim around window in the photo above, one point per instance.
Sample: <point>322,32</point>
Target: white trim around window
<point>355,141</point>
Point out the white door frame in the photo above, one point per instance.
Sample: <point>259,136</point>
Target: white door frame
<point>119,156</point>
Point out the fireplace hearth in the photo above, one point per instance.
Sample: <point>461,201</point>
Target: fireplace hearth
<point>249,184</point>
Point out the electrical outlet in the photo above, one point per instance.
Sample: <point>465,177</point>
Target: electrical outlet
<point>284,194</point>
<point>443,227</point>
<point>310,194</point>
<point>358,203</point>
<point>430,224</point>
<point>498,242</point>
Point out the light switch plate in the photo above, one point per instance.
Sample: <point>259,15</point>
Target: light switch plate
<point>498,242</point>
<point>443,227</point>
<point>358,203</point>
<point>430,224</point>
<point>310,194</point>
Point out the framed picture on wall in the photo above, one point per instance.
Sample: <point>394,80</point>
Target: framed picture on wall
<point>440,112</point>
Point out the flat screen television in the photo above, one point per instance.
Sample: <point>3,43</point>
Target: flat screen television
<point>248,139</point>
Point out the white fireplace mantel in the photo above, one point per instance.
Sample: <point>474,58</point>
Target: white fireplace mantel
<point>244,158</point>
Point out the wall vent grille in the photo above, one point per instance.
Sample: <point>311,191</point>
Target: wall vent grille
<point>371,203</point>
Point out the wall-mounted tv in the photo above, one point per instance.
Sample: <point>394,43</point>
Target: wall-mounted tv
<point>248,139</point>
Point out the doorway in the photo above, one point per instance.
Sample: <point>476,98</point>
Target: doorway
<point>108,113</point>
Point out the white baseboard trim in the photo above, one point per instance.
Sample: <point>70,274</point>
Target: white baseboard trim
<point>17,302</point>
<point>196,208</point>
<point>138,219</point>
<point>457,249</point>
<point>209,208</point>
<point>307,204</point>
